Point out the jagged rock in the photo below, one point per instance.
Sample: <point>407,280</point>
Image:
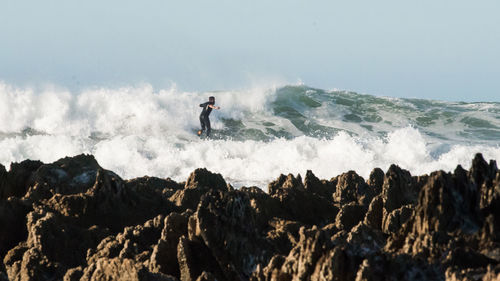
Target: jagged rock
<point>402,267</point>
<point>365,240</point>
<point>52,246</point>
<point>206,276</point>
<point>399,189</point>
<point>272,271</point>
<point>70,175</point>
<point>489,237</point>
<point>376,180</point>
<point>226,224</point>
<point>303,258</point>
<point>4,182</point>
<point>195,258</point>
<point>467,258</point>
<point>285,182</point>
<point>395,219</point>
<point>25,263</point>
<point>284,235</point>
<point>133,243</point>
<point>15,182</point>
<point>199,182</point>
<point>492,273</point>
<point>12,223</point>
<point>165,187</point>
<point>350,188</point>
<point>375,213</point>
<point>299,204</point>
<point>446,205</point>
<point>73,220</point>
<point>73,274</point>
<point>164,255</point>
<point>319,187</point>
<point>487,180</point>
<point>350,215</point>
<point>336,264</point>
<point>111,203</point>
<point>371,270</point>
<point>205,178</point>
<point>121,269</point>
<point>481,173</point>
<point>266,207</point>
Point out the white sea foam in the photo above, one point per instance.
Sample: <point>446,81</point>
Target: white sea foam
<point>138,131</point>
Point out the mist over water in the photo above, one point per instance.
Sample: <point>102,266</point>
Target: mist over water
<point>258,133</point>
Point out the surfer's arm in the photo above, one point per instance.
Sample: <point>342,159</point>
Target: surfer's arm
<point>214,107</point>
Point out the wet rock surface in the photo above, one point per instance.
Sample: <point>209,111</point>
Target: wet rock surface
<point>74,220</point>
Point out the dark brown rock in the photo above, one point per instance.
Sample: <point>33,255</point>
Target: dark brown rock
<point>4,182</point>
<point>336,264</point>
<point>52,246</point>
<point>350,215</point>
<point>134,243</point>
<point>304,257</point>
<point>204,178</point>
<point>266,207</point>
<point>73,220</point>
<point>199,182</point>
<point>70,175</point>
<point>350,188</point>
<point>165,187</point>
<point>284,235</point>
<point>112,203</point>
<point>447,204</point>
<point>376,180</point>
<point>16,181</point>
<point>226,224</point>
<point>12,223</point>
<point>401,267</point>
<point>73,274</point>
<point>322,188</point>
<point>375,213</point>
<point>481,173</point>
<point>121,269</point>
<point>365,241</point>
<point>399,189</point>
<point>299,204</point>
<point>164,255</point>
<point>395,219</point>
<point>467,258</point>
<point>195,258</point>
<point>206,276</point>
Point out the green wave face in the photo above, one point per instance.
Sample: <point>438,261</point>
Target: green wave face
<point>303,111</point>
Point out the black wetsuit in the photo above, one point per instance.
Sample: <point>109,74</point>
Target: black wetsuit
<point>204,121</point>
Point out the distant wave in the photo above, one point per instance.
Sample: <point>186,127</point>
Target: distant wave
<point>258,133</point>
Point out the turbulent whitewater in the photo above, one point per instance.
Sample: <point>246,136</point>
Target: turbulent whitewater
<point>258,133</point>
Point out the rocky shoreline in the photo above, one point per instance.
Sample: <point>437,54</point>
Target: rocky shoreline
<point>73,220</point>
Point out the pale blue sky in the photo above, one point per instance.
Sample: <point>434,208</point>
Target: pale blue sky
<point>446,50</point>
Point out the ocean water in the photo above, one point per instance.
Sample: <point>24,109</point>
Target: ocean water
<point>258,133</point>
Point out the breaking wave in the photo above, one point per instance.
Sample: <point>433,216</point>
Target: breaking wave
<point>258,133</point>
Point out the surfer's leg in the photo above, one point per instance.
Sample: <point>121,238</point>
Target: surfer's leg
<point>202,123</point>
<point>207,122</point>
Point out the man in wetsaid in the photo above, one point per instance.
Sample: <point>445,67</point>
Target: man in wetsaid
<point>204,121</point>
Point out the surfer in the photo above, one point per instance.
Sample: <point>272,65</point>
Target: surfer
<point>204,120</point>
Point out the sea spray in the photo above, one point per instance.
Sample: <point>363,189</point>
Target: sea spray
<point>258,133</point>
